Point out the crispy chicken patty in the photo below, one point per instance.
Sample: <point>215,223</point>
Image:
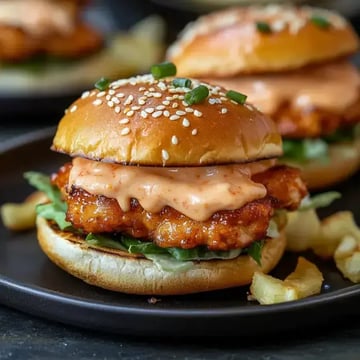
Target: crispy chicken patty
<point>299,123</point>
<point>16,45</point>
<point>225,230</point>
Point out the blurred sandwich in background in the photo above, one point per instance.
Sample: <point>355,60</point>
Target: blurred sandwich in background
<point>46,46</point>
<point>293,63</point>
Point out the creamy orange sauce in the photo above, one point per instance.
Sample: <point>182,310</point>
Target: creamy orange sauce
<point>195,192</point>
<point>333,86</point>
<point>37,17</point>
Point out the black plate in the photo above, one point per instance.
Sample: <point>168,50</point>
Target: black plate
<point>31,283</point>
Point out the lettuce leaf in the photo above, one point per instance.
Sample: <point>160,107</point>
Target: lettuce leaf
<point>319,201</point>
<point>306,149</point>
<point>309,149</point>
<point>56,209</point>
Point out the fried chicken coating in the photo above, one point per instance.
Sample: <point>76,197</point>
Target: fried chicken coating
<point>297,123</point>
<point>224,230</point>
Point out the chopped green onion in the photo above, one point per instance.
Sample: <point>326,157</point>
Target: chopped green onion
<point>320,21</point>
<point>236,96</point>
<point>263,27</point>
<point>197,95</point>
<point>102,84</point>
<point>163,70</point>
<point>182,82</point>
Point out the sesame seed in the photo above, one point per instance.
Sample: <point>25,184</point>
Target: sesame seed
<point>111,92</point>
<point>166,113</point>
<point>149,110</point>
<point>141,102</point>
<point>161,85</point>
<point>221,93</point>
<point>186,122</point>
<point>101,94</point>
<point>142,88</point>
<point>125,131</point>
<point>180,112</point>
<point>143,114</point>
<point>174,140</point>
<point>117,109</point>
<point>175,105</point>
<point>181,97</point>
<point>115,100</point>
<point>166,102</point>
<point>165,154</point>
<point>174,117</point>
<point>194,132</point>
<point>110,103</point>
<point>197,113</point>
<point>224,110</point>
<point>130,113</point>
<point>160,107</point>
<point>108,97</point>
<point>73,108</point>
<point>129,100</point>
<point>151,89</point>
<point>223,98</point>
<point>212,101</point>
<point>97,102</point>
<point>234,102</point>
<point>169,98</point>
<point>157,95</point>
<point>135,108</point>
<point>124,121</point>
<point>156,114</point>
<point>176,96</point>
<point>184,103</point>
<point>85,94</point>
<point>189,110</point>
<point>120,95</point>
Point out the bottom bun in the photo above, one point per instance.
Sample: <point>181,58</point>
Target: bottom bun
<point>344,161</point>
<point>119,271</point>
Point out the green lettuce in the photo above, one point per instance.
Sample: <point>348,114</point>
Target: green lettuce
<point>319,201</point>
<point>306,149</point>
<point>302,150</point>
<point>56,209</point>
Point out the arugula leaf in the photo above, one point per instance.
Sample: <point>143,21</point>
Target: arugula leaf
<point>319,201</point>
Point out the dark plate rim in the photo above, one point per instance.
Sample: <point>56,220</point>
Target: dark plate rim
<point>33,290</point>
<point>254,310</point>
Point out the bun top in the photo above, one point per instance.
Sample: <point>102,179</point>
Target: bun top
<point>143,121</point>
<point>261,39</point>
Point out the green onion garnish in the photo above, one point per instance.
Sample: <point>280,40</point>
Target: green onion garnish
<point>102,84</point>
<point>236,96</point>
<point>320,21</point>
<point>263,27</point>
<point>163,70</point>
<point>182,82</point>
<point>196,95</point>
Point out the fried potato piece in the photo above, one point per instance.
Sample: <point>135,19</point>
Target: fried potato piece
<point>333,229</point>
<point>305,231</point>
<point>347,258</point>
<point>22,216</point>
<point>306,280</point>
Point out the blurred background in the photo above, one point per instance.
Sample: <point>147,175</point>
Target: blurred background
<point>131,35</point>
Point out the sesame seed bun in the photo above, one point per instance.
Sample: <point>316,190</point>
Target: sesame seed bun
<point>147,122</point>
<point>344,161</point>
<point>228,42</point>
<point>118,271</point>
